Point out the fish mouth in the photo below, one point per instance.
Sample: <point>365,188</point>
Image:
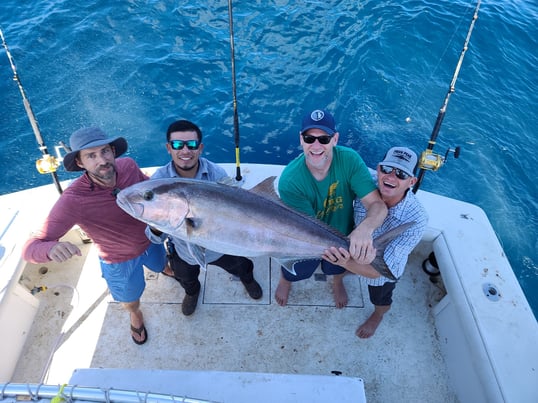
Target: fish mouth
<point>134,209</point>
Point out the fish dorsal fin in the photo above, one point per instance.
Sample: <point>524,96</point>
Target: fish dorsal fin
<point>266,188</point>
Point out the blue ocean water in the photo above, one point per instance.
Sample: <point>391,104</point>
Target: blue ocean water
<point>383,68</point>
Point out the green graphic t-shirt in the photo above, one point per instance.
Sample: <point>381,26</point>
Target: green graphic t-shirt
<point>329,200</point>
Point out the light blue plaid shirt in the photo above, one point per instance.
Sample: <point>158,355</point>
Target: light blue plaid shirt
<point>407,210</point>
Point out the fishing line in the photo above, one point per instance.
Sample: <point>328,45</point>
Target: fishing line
<point>450,41</point>
<point>429,160</point>
<point>234,92</point>
<point>48,163</point>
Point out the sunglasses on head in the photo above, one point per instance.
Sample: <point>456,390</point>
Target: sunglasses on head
<point>179,144</point>
<point>399,173</point>
<point>308,139</point>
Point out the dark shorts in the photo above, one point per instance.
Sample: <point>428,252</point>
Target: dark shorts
<point>306,268</point>
<point>381,295</point>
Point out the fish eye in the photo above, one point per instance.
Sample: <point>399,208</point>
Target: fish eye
<point>148,195</point>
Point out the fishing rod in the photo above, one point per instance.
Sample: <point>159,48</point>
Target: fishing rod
<point>234,92</point>
<point>429,161</point>
<point>47,163</point>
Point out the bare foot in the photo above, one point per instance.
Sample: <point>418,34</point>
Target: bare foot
<point>339,291</point>
<point>282,291</point>
<point>368,328</point>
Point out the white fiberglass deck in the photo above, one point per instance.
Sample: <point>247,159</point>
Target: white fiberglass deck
<point>231,332</point>
<point>483,325</point>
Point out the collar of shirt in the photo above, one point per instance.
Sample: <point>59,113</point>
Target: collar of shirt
<point>202,172</point>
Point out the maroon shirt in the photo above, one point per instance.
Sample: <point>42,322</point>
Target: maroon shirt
<point>117,236</point>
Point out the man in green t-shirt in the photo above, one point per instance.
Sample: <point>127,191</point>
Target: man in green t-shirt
<point>323,182</point>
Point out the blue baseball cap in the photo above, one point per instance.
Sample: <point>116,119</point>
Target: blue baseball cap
<point>319,119</point>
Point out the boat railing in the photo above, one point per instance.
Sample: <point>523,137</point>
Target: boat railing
<point>62,393</point>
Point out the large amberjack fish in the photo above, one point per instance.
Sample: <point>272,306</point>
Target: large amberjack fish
<point>231,220</point>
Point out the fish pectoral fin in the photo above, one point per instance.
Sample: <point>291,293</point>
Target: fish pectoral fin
<point>192,223</point>
<point>198,253</point>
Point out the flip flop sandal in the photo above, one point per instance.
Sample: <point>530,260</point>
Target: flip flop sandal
<point>139,331</point>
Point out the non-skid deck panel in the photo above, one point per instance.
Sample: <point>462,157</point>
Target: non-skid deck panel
<point>402,360</point>
<point>220,287</point>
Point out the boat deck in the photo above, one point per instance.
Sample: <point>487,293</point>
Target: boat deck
<point>480,331</point>
<point>78,325</point>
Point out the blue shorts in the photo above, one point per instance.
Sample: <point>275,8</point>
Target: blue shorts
<point>306,268</point>
<point>125,280</point>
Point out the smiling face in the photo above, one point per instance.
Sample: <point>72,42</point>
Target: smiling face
<point>318,156</point>
<point>185,159</point>
<point>392,188</point>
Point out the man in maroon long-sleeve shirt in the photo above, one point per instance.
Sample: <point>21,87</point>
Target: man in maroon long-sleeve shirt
<point>90,202</point>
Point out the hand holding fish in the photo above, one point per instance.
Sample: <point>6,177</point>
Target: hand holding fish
<point>338,256</point>
<point>361,243</point>
<point>342,257</point>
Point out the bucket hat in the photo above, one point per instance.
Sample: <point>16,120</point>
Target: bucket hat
<point>89,137</point>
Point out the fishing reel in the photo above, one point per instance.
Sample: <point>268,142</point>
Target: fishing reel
<point>48,163</point>
<point>432,161</point>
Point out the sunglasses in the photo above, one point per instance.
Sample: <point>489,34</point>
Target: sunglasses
<point>308,139</point>
<point>179,144</point>
<point>399,173</point>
